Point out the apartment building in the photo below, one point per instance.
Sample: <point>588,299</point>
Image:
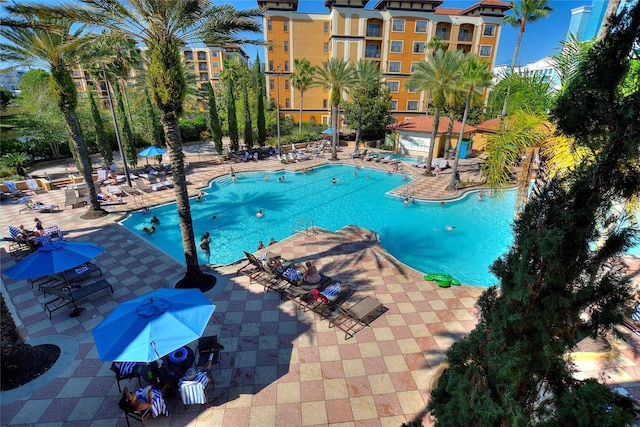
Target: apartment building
<point>206,64</point>
<point>393,33</point>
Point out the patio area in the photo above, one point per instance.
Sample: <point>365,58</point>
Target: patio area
<point>280,366</point>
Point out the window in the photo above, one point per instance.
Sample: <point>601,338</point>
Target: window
<point>285,26</point>
<point>216,75</point>
<point>326,28</point>
<point>75,73</point>
<point>421,26</point>
<point>202,56</point>
<point>287,103</point>
<point>202,67</point>
<point>272,84</point>
<point>485,50</point>
<point>394,66</point>
<point>269,25</point>
<point>271,65</point>
<point>286,65</point>
<point>393,86</point>
<point>204,77</point>
<point>398,25</point>
<point>489,30</point>
<point>216,85</point>
<point>325,48</point>
<point>418,47</point>
<point>188,55</point>
<point>216,64</point>
<point>394,105</point>
<point>78,84</point>
<point>325,104</point>
<point>214,54</point>
<point>286,84</point>
<point>286,46</point>
<point>270,44</point>
<point>414,67</point>
<point>396,46</point>
<point>412,105</point>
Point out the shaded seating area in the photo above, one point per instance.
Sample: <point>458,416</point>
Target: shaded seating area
<point>358,316</point>
<point>126,371</point>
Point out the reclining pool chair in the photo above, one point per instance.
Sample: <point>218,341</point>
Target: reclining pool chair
<point>357,317</point>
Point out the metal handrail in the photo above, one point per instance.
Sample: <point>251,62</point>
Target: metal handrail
<point>302,224</point>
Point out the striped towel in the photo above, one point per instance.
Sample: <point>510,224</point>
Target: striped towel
<point>126,368</point>
<point>192,392</point>
<point>332,291</point>
<point>157,406</point>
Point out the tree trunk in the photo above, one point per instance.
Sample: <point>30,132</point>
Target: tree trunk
<point>432,143</point>
<point>447,144</point>
<point>94,211</point>
<point>194,278</point>
<point>612,8</point>
<point>300,118</point>
<point>454,169</point>
<point>358,131</point>
<point>513,65</point>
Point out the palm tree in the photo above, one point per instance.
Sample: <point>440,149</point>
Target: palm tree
<point>565,61</point>
<point>56,50</point>
<point>475,77</point>
<point>301,79</point>
<point>439,75</point>
<point>528,11</point>
<point>164,27</point>
<point>337,75</point>
<point>367,80</point>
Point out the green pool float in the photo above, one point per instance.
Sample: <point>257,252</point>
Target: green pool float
<point>444,280</point>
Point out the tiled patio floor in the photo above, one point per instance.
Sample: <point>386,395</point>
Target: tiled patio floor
<point>280,366</point>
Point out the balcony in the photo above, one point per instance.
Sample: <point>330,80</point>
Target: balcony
<point>464,36</point>
<point>372,53</point>
<point>374,31</point>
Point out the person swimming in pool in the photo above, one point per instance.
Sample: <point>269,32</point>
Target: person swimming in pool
<point>259,214</point>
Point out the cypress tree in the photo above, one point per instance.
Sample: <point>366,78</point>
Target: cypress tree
<point>563,278</point>
<point>101,136</point>
<point>248,127</point>
<point>128,143</point>
<point>214,121</point>
<point>233,121</point>
<point>156,131</point>
<point>260,95</point>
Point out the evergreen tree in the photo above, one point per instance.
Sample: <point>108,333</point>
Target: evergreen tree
<point>101,137</point>
<point>214,121</point>
<point>260,95</point>
<point>156,131</point>
<point>233,121</point>
<point>128,143</point>
<point>564,265</point>
<point>248,127</point>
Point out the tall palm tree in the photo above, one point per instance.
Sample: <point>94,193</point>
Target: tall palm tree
<point>440,75</point>
<point>475,77</point>
<point>164,27</point>
<point>301,79</point>
<point>337,75</point>
<point>366,84</point>
<point>56,49</point>
<point>528,11</point>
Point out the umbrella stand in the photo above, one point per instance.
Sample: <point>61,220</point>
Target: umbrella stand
<point>76,312</point>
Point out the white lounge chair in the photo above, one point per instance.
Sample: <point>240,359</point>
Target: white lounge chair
<point>115,190</point>
<point>34,186</point>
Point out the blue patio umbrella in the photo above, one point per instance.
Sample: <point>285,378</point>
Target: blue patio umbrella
<point>54,258</point>
<point>152,151</point>
<point>328,131</point>
<point>148,327</point>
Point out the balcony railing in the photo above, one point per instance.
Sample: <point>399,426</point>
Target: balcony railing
<point>370,53</point>
<point>374,32</point>
<point>444,35</point>
<point>465,37</point>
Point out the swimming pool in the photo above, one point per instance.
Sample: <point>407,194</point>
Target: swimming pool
<point>415,234</point>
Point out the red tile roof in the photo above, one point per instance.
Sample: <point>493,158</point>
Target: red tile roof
<point>425,124</point>
<point>490,125</point>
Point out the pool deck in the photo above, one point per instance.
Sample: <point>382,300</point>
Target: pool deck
<point>280,366</point>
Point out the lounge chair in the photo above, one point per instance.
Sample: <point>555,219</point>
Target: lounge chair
<point>372,156</point>
<point>33,186</point>
<point>420,162</point>
<point>13,189</point>
<point>115,190</point>
<point>34,242</point>
<point>208,348</point>
<point>155,184</point>
<point>441,163</point>
<point>142,186</point>
<point>357,317</point>
<point>31,206</point>
<point>72,199</point>
<point>385,159</point>
<point>281,159</point>
<point>194,392</point>
<point>126,371</point>
<point>328,298</point>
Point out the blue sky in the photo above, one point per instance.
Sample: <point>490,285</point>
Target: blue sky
<point>541,38</point>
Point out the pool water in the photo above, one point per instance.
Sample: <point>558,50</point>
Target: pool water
<point>415,234</point>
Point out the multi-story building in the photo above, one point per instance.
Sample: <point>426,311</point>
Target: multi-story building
<point>394,34</point>
<point>11,80</point>
<point>542,69</point>
<point>206,62</point>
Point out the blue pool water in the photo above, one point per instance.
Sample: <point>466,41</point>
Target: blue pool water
<point>414,234</point>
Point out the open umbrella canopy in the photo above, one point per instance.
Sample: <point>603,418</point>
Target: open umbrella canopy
<point>328,131</point>
<point>54,258</point>
<point>152,151</point>
<point>148,327</point>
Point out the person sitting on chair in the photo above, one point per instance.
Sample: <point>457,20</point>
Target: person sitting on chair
<point>130,402</point>
<point>311,273</point>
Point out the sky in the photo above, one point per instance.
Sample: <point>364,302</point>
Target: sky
<point>541,38</point>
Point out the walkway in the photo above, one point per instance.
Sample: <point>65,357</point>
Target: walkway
<point>280,366</point>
